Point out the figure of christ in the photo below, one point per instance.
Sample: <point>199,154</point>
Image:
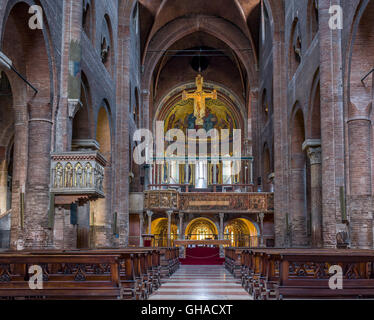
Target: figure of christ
<point>199,97</point>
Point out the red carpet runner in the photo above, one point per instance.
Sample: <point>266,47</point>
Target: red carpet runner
<point>202,256</point>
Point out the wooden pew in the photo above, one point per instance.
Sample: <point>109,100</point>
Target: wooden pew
<point>134,268</point>
<point>303,273</point>
<point>64,276</point>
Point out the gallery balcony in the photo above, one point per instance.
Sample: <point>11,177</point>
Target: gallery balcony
<point>77,177</point>
<point>235,199</point>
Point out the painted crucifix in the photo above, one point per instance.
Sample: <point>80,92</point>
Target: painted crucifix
<point>199,97</point>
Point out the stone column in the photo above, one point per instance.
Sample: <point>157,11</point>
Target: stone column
<point>186,173</point>
<point>181,233</point>
<point>221,230</point>
<point>141,224</point>
<point>36,233</point>
<point>314,151</point>
<point>169,213</point>
<point>261,217</point>
<point>149,214</point>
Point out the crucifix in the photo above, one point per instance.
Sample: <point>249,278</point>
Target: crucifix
<point>199,97</point>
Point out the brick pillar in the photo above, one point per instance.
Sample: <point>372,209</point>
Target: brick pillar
<point>120,165</point>
<point>36,233</point>
<point>313,148</point>
<point>298,201</point>
<point>360,199</point>
<point>19,170</point>
<point>332,121</point>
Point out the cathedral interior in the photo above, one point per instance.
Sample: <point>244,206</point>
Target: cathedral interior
<point>80,79</point>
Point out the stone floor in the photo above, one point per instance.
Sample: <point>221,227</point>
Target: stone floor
<point>201,283</point>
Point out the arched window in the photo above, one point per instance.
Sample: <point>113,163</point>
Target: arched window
<point>264,107</point>
<point>87,18</point>
<point>106,46</point>
<point>313,18</point>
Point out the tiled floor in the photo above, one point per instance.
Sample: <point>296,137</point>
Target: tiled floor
<point>201,283</point>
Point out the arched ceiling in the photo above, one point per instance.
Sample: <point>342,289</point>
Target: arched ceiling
<point>228,29</point>
<point>157,13</point>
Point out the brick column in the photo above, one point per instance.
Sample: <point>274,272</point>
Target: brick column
<point>36,233</point>
<point>360,199</point>
<point>19,170</point>
<point>120,164</point>
<point>313,148</point>
<point>298,201</point>
<point>332,121</point>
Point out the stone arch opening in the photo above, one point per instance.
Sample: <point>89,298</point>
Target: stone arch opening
<point>313,19</point>
<point>6,158</point>
<point>88,18</point>
<point>295,49</point>
<point>160,231</point>
<point>242,233</point>
<point>100,216</point>
<point>201,229</point>
<point>298,215</point>
<point>107,45</point>
<point>30,51</point>
<point>82,122</point>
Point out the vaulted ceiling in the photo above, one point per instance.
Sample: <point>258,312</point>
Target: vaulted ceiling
<point>228,62</point>
<point>155,14</point>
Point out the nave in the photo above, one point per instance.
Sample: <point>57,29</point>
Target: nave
<point>201,283</point>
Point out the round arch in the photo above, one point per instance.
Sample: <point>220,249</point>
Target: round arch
<point>205,227</point>
<point>241,232</point>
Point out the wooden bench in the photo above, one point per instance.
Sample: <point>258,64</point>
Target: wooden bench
<point>64,276</point>
<point>303,273</point>
<point>136,267</point>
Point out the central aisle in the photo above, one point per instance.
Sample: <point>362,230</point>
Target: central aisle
<point>201,283</point>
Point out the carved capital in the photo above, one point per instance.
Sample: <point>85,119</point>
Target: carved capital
<point>314,150</point>
<point>315,155</point>
<point>73,107</point>
<point>169,213</point>
<point>261,216</point>
<point>181,215</point>
<point>222,216</point>
<point>149,213</point>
